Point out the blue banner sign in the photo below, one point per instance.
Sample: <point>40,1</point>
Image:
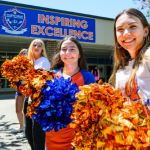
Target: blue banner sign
<point>27,22</point>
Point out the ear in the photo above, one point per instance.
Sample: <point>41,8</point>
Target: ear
<point>146,31</point>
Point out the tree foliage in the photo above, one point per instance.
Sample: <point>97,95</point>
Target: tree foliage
<point>145,6</point>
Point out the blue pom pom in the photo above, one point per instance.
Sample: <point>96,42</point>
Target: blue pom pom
<point>55,108</point>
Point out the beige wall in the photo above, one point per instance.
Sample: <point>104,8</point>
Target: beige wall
<point>104,39</point>
<point>104,32</point>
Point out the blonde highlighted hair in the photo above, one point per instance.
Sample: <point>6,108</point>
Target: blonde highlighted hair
<point>30,53</point>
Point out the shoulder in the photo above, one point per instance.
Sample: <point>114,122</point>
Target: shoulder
<point>43,63</point>
<point>43,59</point>
<point>146,60</point>
<point>83,71</point>
<point>88,76</point>
<point>146,57</point>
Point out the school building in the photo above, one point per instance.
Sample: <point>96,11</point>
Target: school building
<point>20,24</point>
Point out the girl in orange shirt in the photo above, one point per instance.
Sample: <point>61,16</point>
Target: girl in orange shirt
<point>69,63</point>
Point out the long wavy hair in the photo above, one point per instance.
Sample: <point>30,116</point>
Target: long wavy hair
<point>30,52</point>
<point>58,63</point>
<point>121,55</point>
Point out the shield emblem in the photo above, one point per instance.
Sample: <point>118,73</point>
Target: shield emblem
<point>14,19</point>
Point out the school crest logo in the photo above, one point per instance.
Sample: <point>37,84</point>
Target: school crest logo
<point>14,21</point>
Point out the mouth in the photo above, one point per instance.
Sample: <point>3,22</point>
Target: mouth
<point>67,58</point>
<point>128,41</point>
<point>36,50</point>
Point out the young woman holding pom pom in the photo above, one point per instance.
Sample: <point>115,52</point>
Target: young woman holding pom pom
<point>69,62</point>
<point>34,134</point>
<point>131,72</point>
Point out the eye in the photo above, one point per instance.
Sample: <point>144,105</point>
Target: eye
<point>72,49</point>
<point>133,26</point>
<point>64,49</point>
<point>39,46</point>
<point>120,29</point>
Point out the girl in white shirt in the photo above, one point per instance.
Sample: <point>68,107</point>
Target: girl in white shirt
<point>33,131</point>
<point>37,54</point>
<point>131,72</point>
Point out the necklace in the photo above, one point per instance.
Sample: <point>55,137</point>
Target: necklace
<point>72,74</point>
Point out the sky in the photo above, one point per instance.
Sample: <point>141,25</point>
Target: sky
<point>102,8</point>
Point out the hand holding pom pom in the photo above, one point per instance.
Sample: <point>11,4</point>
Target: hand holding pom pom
<point>55,107</point>
<point>35,80</point>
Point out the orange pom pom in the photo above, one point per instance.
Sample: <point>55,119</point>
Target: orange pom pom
<point>104,119</point>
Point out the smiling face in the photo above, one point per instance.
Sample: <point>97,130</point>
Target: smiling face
<point>69,53</point>
<point>37,49</point>
<point>130,33</point>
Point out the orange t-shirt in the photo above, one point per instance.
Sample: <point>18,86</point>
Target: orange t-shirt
<point>62,139</point>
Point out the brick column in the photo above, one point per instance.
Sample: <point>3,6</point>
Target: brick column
<point>51,47</point>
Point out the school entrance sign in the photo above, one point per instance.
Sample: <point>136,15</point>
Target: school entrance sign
<point>27,22</point>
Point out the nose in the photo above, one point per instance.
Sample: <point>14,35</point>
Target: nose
<point>36,46</point>
<point>126,32</point>
<point>67,51</point>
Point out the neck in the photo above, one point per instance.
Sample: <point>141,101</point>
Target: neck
<point>71,69</point>
<point>35,58</point>
<point>134,54</point>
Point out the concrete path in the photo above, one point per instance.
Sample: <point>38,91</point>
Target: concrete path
<point>8,121</point>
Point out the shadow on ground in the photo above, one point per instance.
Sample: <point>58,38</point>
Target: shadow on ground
<point>8,139</point>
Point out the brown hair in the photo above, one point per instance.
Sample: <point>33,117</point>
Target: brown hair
<point>121,55</point>
<point>58,63</point>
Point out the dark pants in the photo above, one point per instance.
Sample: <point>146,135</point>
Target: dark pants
<point>33,132</point>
